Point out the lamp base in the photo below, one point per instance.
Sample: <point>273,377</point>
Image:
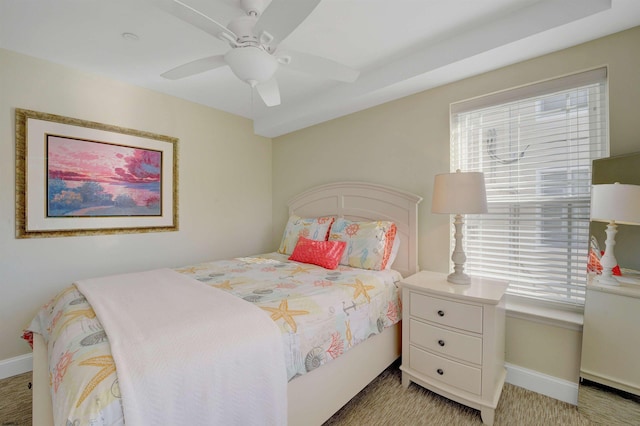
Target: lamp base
<point>459,278</point>
<point>608,260</point>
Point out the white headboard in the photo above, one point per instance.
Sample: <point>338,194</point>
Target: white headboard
<point>367,201</point>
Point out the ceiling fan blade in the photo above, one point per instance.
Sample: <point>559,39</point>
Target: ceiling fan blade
<point>281,17</point>
<point>316,65</point>
<point>195,67</point>
<point>196,18</point>
<point>269,92</point>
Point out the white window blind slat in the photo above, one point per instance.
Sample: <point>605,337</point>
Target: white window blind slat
<point>535,145</point>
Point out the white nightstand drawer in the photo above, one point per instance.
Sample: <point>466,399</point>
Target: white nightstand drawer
<point>447,312</point>
<point>446,371</point>
<point>445,342</point>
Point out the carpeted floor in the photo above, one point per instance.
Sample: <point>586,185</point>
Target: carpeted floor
<point>15,400</point>
<point>386,402</point>
<point>383,402</point>
<point>601,404</point>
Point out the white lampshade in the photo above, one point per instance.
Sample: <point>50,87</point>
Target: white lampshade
<point>459,192</point>
<point>616,202</point>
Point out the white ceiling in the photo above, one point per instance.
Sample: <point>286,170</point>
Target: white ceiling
<point>400,46</point>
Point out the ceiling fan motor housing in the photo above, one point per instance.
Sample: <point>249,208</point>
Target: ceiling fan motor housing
<point>242,27</point>
<point>251,64</point>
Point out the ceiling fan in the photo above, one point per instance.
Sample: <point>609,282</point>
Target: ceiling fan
<point>254,38</point>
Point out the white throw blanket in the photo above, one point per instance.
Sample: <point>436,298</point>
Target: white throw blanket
<point>189,354</point>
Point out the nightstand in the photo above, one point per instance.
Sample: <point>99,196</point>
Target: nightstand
<point>610,339</point>
<point>453,339</point>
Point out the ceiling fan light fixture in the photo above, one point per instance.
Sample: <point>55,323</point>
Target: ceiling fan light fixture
<point>251,64</point>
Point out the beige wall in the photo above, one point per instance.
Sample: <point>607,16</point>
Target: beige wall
<point>404,143</point>
<point>552,350</point>
<point>224,190</point>
<point>232,182</point>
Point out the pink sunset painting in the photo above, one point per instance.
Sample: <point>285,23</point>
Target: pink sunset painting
<point>87,178</point>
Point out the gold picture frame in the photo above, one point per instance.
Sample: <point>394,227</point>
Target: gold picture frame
<point>77,177</point>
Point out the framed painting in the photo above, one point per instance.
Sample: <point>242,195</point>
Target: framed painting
<point>76,177</point>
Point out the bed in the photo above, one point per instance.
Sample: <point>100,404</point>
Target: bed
<point>313,397</point>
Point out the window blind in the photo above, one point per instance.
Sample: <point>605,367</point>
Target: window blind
<point>535,145</point>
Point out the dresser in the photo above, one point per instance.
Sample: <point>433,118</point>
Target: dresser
<point>453,339</point>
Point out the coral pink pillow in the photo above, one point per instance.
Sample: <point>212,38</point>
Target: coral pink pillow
<point>322,253</point>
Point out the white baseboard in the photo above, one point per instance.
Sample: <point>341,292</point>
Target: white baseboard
<point>16,365</point>
<point>535,381</point>
<point>553,387</point>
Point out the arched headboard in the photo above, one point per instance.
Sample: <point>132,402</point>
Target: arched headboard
<point>367,201</point>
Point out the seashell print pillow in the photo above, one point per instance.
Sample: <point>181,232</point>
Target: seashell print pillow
<point>369,244</point>
<point>312,228</point>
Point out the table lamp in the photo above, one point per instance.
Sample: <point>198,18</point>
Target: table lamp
<point>459,193</point>
<point>614,203</point>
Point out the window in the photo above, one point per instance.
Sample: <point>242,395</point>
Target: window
<point>560,102</point>
<point>535,145</point>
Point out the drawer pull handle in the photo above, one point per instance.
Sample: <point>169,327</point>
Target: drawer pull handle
<point>441,313</point>
<point>441,342</point>
<point>440,371</point>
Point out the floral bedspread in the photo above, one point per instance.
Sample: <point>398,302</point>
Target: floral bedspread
<point>322,314</point>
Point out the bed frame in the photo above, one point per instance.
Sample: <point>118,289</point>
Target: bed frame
<point>317,395</point>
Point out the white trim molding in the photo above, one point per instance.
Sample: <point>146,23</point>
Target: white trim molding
<point>535,381</point>
<point>17,365</point>
<point>544,312</point>
<point>553,387</point>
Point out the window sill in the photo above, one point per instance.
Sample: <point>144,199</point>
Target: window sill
<point>544,313</point>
